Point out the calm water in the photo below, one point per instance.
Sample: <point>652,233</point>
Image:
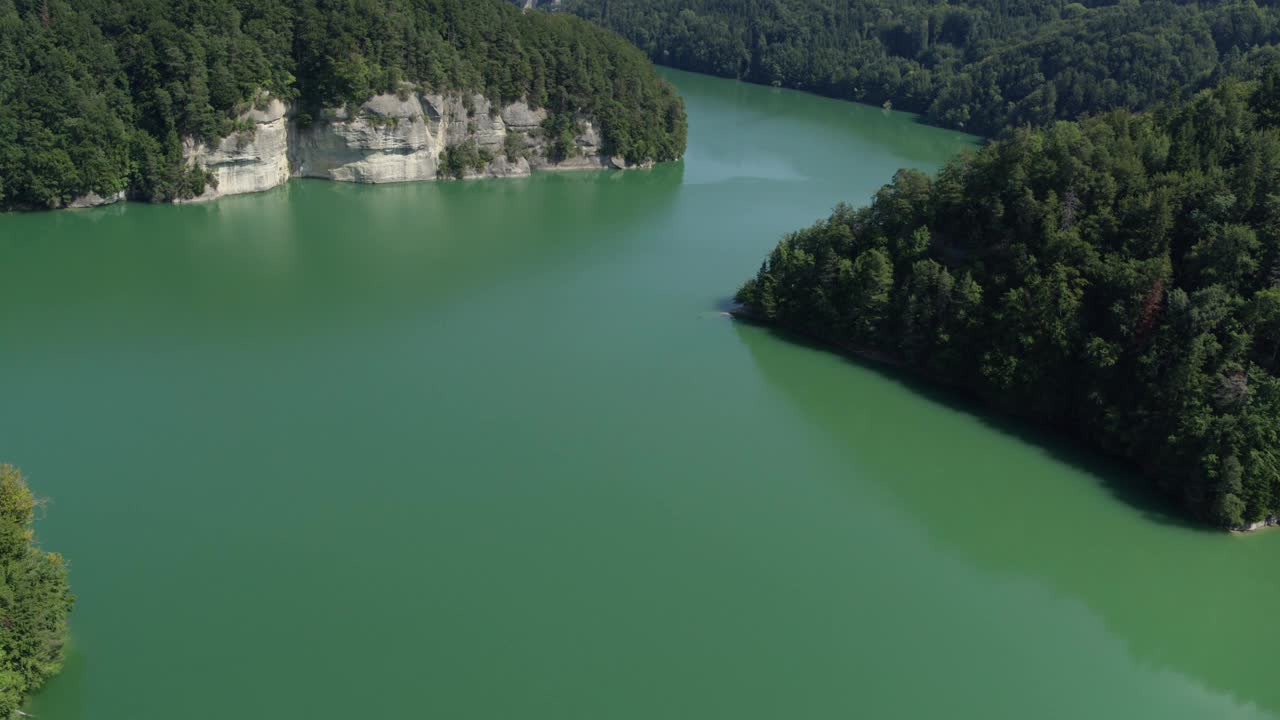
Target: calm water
<point>487,450</point>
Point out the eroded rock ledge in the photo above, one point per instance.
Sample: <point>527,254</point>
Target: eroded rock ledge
<point>390,138</point>
<point>1270,521</point>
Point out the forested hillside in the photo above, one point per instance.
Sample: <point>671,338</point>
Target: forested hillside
<point>98,95</point>
<point>1118,278</point>
<point>980,65</point>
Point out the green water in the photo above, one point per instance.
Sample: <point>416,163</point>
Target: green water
<point>487,450</point>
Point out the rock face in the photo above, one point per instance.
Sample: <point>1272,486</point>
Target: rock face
<point>249,160</point>
<point>93,199</point>
<point>387,141</point>
<point>589,150</point>
<point>390,138</point>
<point>1265,523</point>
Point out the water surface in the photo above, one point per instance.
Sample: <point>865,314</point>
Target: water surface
<point>487,450</point>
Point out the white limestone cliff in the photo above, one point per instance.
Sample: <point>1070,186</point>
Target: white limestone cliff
<point>390,138</point>
<point>249,160</point>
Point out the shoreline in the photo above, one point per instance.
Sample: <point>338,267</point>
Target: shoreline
<point>409,136</point>
<point>1263,525</point>
<point>93,200</point>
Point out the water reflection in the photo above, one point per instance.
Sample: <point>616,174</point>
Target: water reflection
<point>1183,601</point>
<point>310,256</point>
<point>746,133</point>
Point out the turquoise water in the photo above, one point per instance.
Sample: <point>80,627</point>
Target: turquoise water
<point>490,450</point>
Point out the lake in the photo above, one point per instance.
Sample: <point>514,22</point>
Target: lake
<point>490,450</point>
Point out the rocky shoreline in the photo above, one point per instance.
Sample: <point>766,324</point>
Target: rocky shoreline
<point>1273,521</point>
<point>394,137</point>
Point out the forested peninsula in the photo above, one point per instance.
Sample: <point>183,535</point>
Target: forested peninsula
<point>1117,278</point>
<point>978,65</point>
<point>161,101</point>
<point>1110,266</point>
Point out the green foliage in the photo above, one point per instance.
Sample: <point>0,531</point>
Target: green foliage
<point>1117,277</point>
<point>514,145</point>
<point>99,95</point>
<point>34,598</point>
<point>561,132</point>
<point>456,160</point>
<point>981,65</point>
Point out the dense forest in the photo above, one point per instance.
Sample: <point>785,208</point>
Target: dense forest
<point>980,65</point>
<point>1116,277</point>
<point>98,95</point>
<point>34,598</point>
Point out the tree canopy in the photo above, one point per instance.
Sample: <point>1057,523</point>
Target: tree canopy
<point>1116,277</point>
<point>34,598</point>
<point>98,95</point>
<point>980,65</point>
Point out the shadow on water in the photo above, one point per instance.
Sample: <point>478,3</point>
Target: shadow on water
<point>787,94</point>
<point>1121,480</point>
<point>881,144</point>
<point>62,696</point>
<point>1028,503</point>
